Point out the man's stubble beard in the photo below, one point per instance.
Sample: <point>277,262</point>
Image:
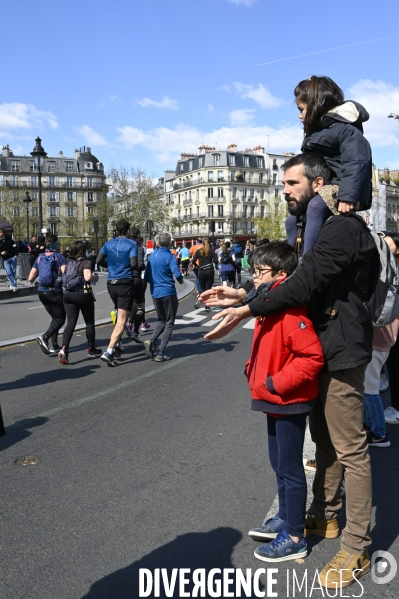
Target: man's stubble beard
<point>301,206</point>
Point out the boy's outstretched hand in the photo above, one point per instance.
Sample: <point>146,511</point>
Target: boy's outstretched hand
<point>231,318</point>
<point>222,296</point>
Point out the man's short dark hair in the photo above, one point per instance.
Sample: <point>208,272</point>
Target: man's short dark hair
<point>314,166</point>
<point>122,226</point>
<point>51,238</point>
<point>276,254</point>
<point>134,232</point>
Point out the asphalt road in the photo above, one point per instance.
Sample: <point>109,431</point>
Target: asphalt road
<point>147,466</point>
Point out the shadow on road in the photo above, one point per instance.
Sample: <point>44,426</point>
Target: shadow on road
<point>49,377</point>
<point>18,431</point>
<point>192,550</point>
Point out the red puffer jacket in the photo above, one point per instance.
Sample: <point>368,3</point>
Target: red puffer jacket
<point>286,358</point>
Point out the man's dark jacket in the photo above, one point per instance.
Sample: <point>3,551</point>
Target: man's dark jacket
<point>8,245</point>
<point>334,279</point>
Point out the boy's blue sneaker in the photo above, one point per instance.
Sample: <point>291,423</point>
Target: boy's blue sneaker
<point>269,530</point>
<point>282,549</point>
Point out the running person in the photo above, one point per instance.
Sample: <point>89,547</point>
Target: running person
<point>185,259</point>
<point>205,257</point>
<point>121,254</point>
<point>132,326</point>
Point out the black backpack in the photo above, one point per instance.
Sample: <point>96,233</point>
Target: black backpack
<point>71,279</point>
<point>226,259</point>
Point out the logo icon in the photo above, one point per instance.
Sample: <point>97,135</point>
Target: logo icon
<point>384,570</point>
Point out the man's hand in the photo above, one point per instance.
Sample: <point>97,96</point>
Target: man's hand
<point>222,296</point>
<point>345,207</point>
<point>231,318</point>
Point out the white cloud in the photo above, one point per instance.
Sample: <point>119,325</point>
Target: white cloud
<point>379,99</point>
<point>114,100</point>
<point>91,137</point>
<point>166,144</point>
<point>211,108</point>
<point>259,94</point>
<point>243,2</point>
<point>15,115</point>
<point>164,103</point>
<point>242,116</point>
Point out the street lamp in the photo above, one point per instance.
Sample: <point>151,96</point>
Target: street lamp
<point>39,154</point>
<point>27,200</point>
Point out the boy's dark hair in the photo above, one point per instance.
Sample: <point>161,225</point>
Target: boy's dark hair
<point>134,232</point>
<point>276,254</point>
<point>78,250</point>
<point>314,166</point>
<point>122,226</point>
<point>320,94</point>
<point>51,238</point>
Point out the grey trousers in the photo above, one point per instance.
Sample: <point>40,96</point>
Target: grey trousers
<point>166,309</point>
<point>336,426</point>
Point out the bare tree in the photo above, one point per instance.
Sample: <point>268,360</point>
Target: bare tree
<point>137,199</point>
<point>12,210</point>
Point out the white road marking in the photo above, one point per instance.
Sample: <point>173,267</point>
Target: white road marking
<point>36,307</point>
<point>250,324</point>
<point>100,292</point>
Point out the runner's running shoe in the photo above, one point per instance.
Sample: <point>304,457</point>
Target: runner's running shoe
<point>109,359</point>
<point>94,352</point>
<point>63,356</point>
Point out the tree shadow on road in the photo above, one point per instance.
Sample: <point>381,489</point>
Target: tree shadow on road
<point>192,550</point>
<point>18,431</point>
<point>49,377</point>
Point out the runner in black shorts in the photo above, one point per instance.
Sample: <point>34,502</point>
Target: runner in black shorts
<point>132,327</point>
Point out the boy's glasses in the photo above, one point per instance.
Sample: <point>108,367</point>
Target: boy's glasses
<point>261,271</point>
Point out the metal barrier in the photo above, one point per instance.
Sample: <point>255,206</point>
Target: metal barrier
<point>23,268</point>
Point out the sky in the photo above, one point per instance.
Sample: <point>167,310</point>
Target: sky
<point>140,82</point>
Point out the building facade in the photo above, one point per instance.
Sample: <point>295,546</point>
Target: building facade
<point>389,180</point>
<point>221,192</point>
<point>72,189</point>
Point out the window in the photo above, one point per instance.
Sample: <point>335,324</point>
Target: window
<point>89,181</point>
<point>181,167</point>
<point>52,197</point>
<point>14,181</point>
<point>276,192</point>
<point>189,212</point>
<point>69,182</point>
<point>50,167</point>
<point>68,167</point>
<point>244,211</point>
<point>252,227</point>
<point>35,210</point>
<point>252,193</point>
<point>69,211</point>
<point>16,211</point>
<point>70,228</point>
<point>262,194</point>
<point>262,211</point>
<point>198,177</point>
<point>244,193</point>
<point>33,182</point>
<point>178,198</point>
<point>53,211</point>
<point>200,162</point>
<point>53,228</point>
<point>259,162</point>
<point>232,175</point>
<point>70,196</point>
<point>275,167</point>
<point>185,195</point>
<point>15,165</point>
<point>197,194</point>
<point>210,175</point>
<point>32,166</point>
<point>197,211</point>
<point>244,176</point>
<point>90,196</point>
<point>210,210</point>
<point>252,211</point>
<point>178,214</point>
<point>90,210</point>
<point>234,209</point>
<point>246,161</point>
<point>190,165</point>
<point>185,213</point>
<point>260,177</point>
<point>220,176</point>
<point>216,159</point>
<point>33,195</point>
<point>234,192</point>
<point>274,178</point>
<point>251,178</point>
<point>232,160</point>
<point>210,192</point>
<point>220,192</point>
<point>220,210</point>
<point>51,181</point>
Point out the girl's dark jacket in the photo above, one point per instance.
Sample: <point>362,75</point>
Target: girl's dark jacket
<point>346,151</point>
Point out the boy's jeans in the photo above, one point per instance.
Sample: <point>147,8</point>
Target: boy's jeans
<point>11,268</point>
<point>374,414</point>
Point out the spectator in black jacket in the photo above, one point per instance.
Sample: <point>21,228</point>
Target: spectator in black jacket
<point>8,251</point>
<point>334,279</point>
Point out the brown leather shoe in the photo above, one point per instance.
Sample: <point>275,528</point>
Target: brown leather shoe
<point>344,568</point>
<point>327,529</point>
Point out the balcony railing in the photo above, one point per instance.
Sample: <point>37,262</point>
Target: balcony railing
<point>189,183</point>
<point>187,202</point>
<point>48,185</point>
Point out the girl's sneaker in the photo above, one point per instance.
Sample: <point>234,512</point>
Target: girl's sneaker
<point>145,326</point>
<point>94,352</point>
<point>269,530</point>
<point>63,356</point>
<point>282,549</point>
<point>391,415</point>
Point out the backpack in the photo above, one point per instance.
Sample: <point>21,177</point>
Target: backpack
<point>237,249</point>
<point>383,306</point>
<point>226,259</point>
<point>48,270</point>
<point>71,279</point>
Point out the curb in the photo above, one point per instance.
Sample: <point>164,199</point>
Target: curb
<point>101,321</point>
<point>22,292</point>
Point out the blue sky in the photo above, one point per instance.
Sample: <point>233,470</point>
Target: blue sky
<point>141,81</point>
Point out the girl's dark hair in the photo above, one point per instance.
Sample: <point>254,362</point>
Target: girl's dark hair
<point>78,250</point>
<point>226,249</point>
<point>4,232</point>
<point>206,248</point>
<point>394,236</point>
<point>276,254</point>
<point>320,94</point>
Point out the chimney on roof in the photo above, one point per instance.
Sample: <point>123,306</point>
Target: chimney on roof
<point>6,151</point>
<point>232,147</point>
<point>259,150</point>
<point>61,154</point>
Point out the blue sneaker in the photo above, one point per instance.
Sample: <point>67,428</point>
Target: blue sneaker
<point>269,530</point>
<point>281,549</point>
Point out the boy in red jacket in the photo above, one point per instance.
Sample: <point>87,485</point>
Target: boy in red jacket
<point>282,374</point>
